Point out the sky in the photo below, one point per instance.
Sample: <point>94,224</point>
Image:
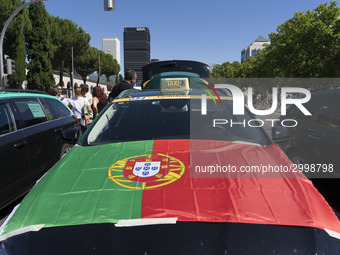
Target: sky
<point>212,31</point>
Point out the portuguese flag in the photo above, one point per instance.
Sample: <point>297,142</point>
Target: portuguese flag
<point>151,180</point>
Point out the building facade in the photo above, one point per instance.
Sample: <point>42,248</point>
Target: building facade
<point>254,48</point>
<point>111,45</point>
<point>136,49</point>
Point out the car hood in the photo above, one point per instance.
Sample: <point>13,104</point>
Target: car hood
<point>152,182</point>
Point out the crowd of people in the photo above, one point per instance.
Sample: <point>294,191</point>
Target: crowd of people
<point>86,106</point>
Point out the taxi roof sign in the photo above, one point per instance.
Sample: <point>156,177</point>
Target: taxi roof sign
<point>173,86</point>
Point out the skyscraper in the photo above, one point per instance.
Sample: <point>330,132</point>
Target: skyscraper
<point>136,49</point>
<point>111,45</point>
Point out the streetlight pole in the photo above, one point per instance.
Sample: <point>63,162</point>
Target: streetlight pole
<point>2,36</point>
<point>72,71</point>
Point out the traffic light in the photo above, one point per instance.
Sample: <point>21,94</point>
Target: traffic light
<point>10,66</point>
<point>109,5</point>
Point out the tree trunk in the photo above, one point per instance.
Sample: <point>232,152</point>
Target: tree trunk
<point>61,82</point>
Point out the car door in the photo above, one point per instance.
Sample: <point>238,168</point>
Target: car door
<point>325,142</point>
<point>326,136</point>
<point>40,132</point>
<point>14,170</point>
<point>305,133</point>
<point>62,117</point>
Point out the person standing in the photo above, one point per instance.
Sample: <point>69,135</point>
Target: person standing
<point>109,90</point>
<point>59,90</point>
<point>129,81</point>
<point>84,92</point>
<point>245,94</point>
<point>99,100</point>
<point>53,91</point>
<point>79,105</point>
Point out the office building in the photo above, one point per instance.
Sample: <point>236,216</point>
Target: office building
<point>254,48</point>
<point>136,49</point>
<point>111,45</point>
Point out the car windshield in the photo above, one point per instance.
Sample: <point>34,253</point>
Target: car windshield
<point>136,120</point>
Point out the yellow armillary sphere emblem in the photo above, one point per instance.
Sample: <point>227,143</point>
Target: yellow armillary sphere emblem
<point>146,171</point>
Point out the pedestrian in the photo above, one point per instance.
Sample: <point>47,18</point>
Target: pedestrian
<point>84,92</point>
<point>53,91</point>
<point>81,108</point>
<point>129,81</point>
<point>245,94</point>
<point>59,90</point>
<point>99,100</point>
<point>109,90</point>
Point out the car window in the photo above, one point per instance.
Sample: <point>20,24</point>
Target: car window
<point>6,120</point>
<point>324,116</point>
<point>31,111</point>
<point>59,109</point>
<point>46,109</point>
<point>336,117</point>
<point>168,119</point>
<point>313,106</point>
<point>329,114</point>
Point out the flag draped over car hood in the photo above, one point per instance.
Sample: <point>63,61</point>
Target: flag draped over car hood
<point>152,180</point>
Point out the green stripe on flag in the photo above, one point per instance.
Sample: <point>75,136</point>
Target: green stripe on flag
<point>77,190</point>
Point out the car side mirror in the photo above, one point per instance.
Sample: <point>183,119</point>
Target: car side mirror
<point>71,135</point>
<point>280,133</point>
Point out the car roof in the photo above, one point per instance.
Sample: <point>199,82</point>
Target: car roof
<point>134,93</point>
<point>5,94</point>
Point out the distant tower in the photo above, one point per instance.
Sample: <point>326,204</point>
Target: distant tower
<point>111,45</point>
<point>254,48</point>
<point>136,49</point>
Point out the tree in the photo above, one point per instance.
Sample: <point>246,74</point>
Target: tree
<point>87,63</point>
<point>109,66</point>
<point>39,47</point>
<point>308,44</point>
<point>227,70</point>
<point>14,41</point>
<point>65,33</point>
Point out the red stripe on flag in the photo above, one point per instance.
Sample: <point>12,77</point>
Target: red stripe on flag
<point>279,201</point>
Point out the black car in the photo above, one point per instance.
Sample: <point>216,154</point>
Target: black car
<point>142,180</point>
<point>314,143</point>
<point>35,131</point>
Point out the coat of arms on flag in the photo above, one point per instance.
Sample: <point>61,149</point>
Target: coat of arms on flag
<point>150,171</point>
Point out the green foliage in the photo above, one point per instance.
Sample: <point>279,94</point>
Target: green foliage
<point>307,45</point>
<point>14,41</point>
<point>227,70</point>
<point>16,79</point>
<point>39,46</point>
<point>109,65</point>
<point>64,34</point>
<point>87,63</point>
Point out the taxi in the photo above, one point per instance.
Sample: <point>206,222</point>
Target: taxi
<point>156,174</point>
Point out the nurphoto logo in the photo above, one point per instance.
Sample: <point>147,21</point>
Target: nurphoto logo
<point>238,100</point>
